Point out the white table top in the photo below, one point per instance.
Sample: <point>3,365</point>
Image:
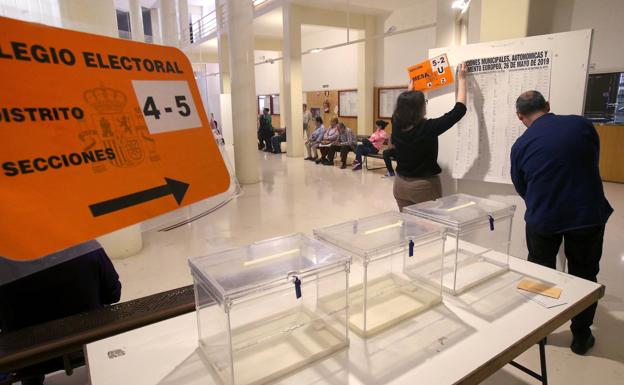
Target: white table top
<point>463,340</point>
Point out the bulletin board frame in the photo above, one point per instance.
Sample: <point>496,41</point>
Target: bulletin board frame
<point>274,104</point>
<point>340,112</point>
<point>380,113</point>
<point>270,97</point>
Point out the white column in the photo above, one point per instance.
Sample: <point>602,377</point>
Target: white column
<point>169,22</point>
<point>366,78</point>
<point>447,28</point>
<point>283,111</point>
<point>243,83</point>
<point>292,100</point>
<point>224,52</point>
<point>136,21</point>
<point>156,34</point>
<point>183,13</point>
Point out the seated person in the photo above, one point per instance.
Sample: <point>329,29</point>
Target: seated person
<point>372,145</point>
<point>329,137</point>
<point>344,143</point>
<point>389,154</point>
<point>87,282</point>
<point>265,131</point>
<point>276,141</point>
<point>315,139</point>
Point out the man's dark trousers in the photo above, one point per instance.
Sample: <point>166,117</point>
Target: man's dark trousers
<point>583,250</point>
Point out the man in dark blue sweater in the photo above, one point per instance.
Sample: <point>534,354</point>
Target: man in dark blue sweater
<point>554,168</point>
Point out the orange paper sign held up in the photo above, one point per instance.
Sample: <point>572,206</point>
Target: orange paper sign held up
<point>431,74</point>
<point>96,134</point>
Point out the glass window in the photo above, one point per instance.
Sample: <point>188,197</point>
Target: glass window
<point>147,21</point>
<point>123,24</point>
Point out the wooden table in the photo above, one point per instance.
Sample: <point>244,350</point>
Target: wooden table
<point>462,341</point>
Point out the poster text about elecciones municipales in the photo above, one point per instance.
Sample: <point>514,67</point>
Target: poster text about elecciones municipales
<point>96,134</point>
<point>490,126</point>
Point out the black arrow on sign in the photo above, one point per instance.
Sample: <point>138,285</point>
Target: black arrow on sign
<point>173,187</point>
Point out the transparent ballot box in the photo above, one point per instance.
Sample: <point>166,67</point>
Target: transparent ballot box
<point>479,236</point>
<point>387,284</point>
<point>267,320</point>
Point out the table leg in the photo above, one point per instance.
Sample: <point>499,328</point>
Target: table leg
<point>543,377</point>
<point>542,352</point>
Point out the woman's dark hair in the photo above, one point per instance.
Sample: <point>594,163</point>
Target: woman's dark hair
<point>319,120</point>
<point>381,124</point>
<point>265,109</point>
<point>409,110</point>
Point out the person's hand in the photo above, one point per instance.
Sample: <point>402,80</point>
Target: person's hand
<point>461,71</point>
<point>461,83</point>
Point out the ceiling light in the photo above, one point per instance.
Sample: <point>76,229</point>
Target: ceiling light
<point>316,50</point>
<point>460,4</point>
<point>391,29</point>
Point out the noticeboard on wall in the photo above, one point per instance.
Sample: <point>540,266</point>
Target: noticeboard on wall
<point>387,98</point>
<point>347,104</point>
<point>275,102</point>
<point>269,101</point>
<point>264,101</point>
<point>555,65</point>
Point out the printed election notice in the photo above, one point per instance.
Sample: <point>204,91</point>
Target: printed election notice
<point>490,127</point>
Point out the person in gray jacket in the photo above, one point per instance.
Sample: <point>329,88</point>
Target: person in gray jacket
<point>344,143</point>
<point>315,139</point>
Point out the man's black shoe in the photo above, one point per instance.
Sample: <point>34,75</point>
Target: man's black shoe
<point>581,344</point>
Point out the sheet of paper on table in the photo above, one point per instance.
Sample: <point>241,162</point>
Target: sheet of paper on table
<point>547,302</point>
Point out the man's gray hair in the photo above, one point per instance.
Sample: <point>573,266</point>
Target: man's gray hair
<point>530,102</point>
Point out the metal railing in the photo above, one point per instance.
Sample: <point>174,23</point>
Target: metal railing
<point>200,29</point>
<point>205,27</point>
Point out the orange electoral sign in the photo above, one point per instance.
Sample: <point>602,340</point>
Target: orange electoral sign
<point>96,134</point>
<point>431,74</point>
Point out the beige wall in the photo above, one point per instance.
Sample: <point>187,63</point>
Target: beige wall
<point>315,99</point>
<point>504,19</point>
<point>94,16</point>
<point>605,17</point>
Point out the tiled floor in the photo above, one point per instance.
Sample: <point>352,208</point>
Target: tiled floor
<point>299,196</point>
